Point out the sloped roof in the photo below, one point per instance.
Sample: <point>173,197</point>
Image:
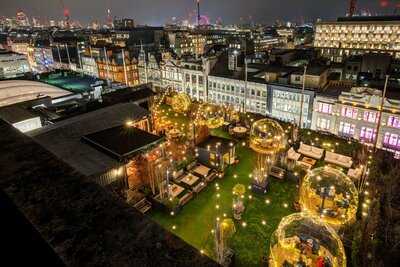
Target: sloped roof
<point>15,91</point>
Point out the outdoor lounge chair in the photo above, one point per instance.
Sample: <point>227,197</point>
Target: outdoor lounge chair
<point>311,151</point>
<point>211,176</point>
<point>293,155</point>
<point>186,198</point>
<point>199,187</point>
<point>338,159</point>
<point>143,205</point>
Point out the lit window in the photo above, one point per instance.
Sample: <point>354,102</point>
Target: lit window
<point>346,128</point>
<point>349,112</point>
<point>323,124</point>
<point>371,116</point>
<point>393,121</point>
<point>324,108</point>
<point>391,140</point>
<point>367,134</point>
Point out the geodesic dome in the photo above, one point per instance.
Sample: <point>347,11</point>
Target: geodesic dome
<point>267,137</point>
<point>181,102</point>
<point>213,116</point>
<point>304,240</point>
<point>330,194</point>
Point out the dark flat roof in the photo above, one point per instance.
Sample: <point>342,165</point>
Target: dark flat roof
<point>122,141</point>
<point>369,18</point>
<point>130,94</point>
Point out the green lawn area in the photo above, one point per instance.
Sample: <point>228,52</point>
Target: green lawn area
<point>197,219</point>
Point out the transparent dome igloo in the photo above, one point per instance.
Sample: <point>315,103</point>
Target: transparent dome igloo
<point>181,102</point>
<point>267,137</point>
<point>304,240</point>
<point>330,194</point>
<point>213,116</point>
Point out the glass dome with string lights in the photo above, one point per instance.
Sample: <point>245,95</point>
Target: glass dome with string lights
<point>330,194</point>
<point>267,137</point>
<point>304,240</point>
<point>181,103</point>
<point>213,116</point>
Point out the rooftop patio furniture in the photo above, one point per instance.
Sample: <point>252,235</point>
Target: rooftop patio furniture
<point>304,165</point>
<point>185,198</point>
<point>309,161</point>
<point>338,159</point>
<point>292,154</point>
<point>201,170</point>
<point>211,177</point>
<point>199,187</point>
<point>189,179</point>
<point>277,172</point>
<point>143,205</point>
<point>175,190</point>
<point>355,173</point>
<point>311,151</point>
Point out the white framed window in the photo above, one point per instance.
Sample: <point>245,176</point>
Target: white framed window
<point>349,112</point>
<point>323,124</point>
<point>325,107</point>
<point>393,121</point>
<point>367,134</point>
<point>371,116</point>
<point>346,128</point>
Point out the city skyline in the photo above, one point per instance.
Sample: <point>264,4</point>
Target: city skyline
<point>158,12</point>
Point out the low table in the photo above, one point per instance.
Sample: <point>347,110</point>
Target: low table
<point>190,179</point>
<point>239,130</point>
<point>309,161</point>
<point>175,190</point>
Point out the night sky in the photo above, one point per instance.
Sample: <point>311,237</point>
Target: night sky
<point>157,12</point>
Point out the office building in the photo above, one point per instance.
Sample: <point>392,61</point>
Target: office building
<point>358,35</point>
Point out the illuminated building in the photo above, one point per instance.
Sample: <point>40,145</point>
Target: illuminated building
<point>194,80</point>
<point>118,68</point>
<point>13,65</point>
<point>184,43</point>
<point>149,69</point>
<point>358,35</point>
<point>354,114</point>
<point>124,24</point>
<point>22,19</point>
<point>171,73</point>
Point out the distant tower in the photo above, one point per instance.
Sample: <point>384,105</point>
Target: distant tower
<point>198,13</point>
<point>67,17</point>
<point>352,7</point>
<point>109,18</point>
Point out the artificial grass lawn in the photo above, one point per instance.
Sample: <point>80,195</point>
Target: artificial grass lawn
<point>195,222</point>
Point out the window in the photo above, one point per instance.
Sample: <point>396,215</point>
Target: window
<point>393,121</point>
<point>346,128</point>
<point>391,140</point>
<point>324,108</point>
<point>371,116</point>
<point>187,78</point>
<point>367,134</point>
<point>349,112</point>
<point>323,124</point>
<point>194,79</point>
<point>201,80</point>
